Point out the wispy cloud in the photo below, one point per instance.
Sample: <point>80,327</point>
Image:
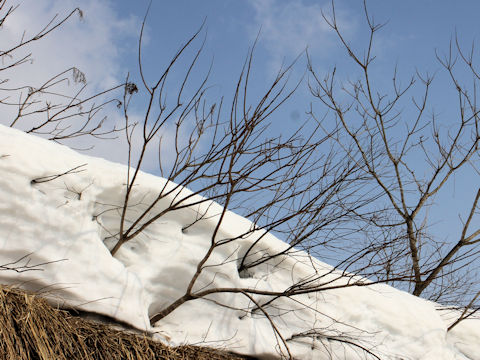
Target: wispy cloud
<point>290,26</point>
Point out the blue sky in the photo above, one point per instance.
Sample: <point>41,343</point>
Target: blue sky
<point>104,46</point>
<point>413,31</point>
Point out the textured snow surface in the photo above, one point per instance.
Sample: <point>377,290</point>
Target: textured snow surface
<point>68,222</point>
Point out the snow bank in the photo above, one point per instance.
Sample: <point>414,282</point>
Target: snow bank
<point>67,224</point>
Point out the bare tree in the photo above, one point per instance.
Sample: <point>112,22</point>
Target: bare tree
<point>296,186</point>
<point>410,157</point>
<point>230,158</point>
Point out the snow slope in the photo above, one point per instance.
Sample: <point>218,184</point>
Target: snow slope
<point>67,223</point>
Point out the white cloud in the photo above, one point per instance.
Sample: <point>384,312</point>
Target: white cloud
<point>96,43</point>
<point>91,43</point>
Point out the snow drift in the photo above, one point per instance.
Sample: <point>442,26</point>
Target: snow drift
<point>60,229</point>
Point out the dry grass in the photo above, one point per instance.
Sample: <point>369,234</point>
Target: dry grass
<point>31,329</point>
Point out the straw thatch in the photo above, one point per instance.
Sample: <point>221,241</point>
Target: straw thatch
<point>32,329</point>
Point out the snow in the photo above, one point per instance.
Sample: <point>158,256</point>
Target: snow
<point>65,224</point>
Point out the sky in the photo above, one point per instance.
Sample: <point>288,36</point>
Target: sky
<point>104,44</point>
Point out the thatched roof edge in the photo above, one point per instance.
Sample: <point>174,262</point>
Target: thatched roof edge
<point>32,329</point>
